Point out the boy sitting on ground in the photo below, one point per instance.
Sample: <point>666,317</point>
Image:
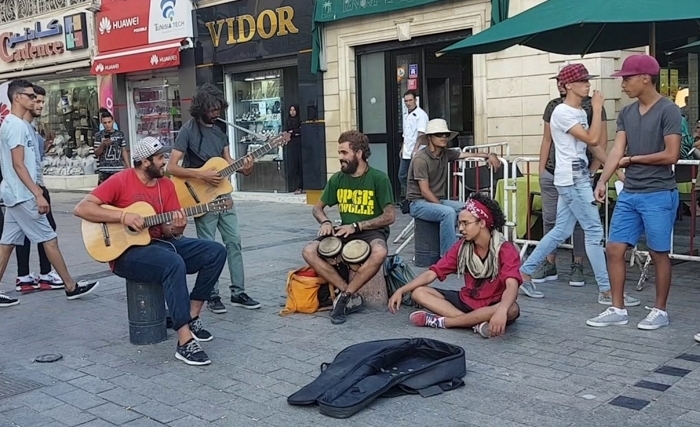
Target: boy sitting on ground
<point>491,269</point>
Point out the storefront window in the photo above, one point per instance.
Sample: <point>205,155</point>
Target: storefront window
<point>258,106</point>
<point>68,123</point>
<point>156,108</point>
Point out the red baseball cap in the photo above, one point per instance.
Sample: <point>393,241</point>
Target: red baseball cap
<point>573,73</point>
<point>637,65</point>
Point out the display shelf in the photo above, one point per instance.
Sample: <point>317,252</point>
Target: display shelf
<point>157,112</point>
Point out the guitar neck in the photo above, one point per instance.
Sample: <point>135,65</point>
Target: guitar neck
<point>238,164</point>
<point>157,219</point>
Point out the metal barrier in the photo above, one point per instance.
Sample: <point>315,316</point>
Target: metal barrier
<point>638,257</point>
<point>459,174</point>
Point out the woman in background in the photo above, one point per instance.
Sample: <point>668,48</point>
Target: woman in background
<point>293,126</point>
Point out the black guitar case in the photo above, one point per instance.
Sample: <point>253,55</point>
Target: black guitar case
<point>386,368</point>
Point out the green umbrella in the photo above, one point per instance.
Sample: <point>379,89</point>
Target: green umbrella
<point>689,48</point>
<point>573,27</point>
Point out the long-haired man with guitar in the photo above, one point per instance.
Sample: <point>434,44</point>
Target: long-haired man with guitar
<point>199,141</point>
<point>169,256</point>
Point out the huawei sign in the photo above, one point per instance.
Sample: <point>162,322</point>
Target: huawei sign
<point>122,24</point>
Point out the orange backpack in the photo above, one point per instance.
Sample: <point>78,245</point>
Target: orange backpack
<point>302,291</point>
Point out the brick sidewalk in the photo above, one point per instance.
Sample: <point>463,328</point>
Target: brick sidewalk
<point>548,370</point>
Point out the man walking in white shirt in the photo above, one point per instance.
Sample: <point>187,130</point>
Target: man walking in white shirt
<point>415,121</point>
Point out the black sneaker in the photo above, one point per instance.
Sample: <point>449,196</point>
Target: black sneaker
<point>192,353</point>
<point>82,288</point>
<point>6,301</point>
<point>345,304</point>
<point>198,331</point>
<point>216,306</point>
<point>243,300</point>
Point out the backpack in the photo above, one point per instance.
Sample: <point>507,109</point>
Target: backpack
<point>397,273</point>
<point>303,296</point>
<point>364,372</point>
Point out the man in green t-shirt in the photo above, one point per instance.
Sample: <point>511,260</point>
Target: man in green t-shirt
<point>366,205</point>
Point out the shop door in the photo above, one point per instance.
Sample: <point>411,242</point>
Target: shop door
<point>374,109</point>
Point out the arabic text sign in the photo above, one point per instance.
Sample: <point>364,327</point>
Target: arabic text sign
<point>44,39</point>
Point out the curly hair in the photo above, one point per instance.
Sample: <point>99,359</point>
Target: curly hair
<point>358,142</point>
<point>499,219</point>
<point>207,98</point>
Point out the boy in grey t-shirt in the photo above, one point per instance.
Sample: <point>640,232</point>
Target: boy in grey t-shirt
<point>647,145</point>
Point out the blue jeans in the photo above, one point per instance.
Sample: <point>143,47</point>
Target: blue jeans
<point>169,263</point>
<point>227,224</point>
<point>653,214</point>
<point>576,203</point>
<point>445,213</point>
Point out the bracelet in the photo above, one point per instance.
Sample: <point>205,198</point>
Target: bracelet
<point>327,221</point>
<point>631,157</point>
<point>121,219</point>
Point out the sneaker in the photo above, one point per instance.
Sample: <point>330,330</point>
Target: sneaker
<point>654,320</point>
<point>6,301</point>
<point>339,305</point>
<point>545,272</point>
<point>530,290</point>
<point>198,331</point>
<point>50,281</point>
<point>192,354</point>
<point>609,317</point>
<point>697,337</point>
<point>243,300</point>
<point>607,300</point>
<point>28,283</point>
<point>216,306</point>
<point>482,329</point>
<point>423,318</point>
<point>82,288</point>
<point>577,278</point>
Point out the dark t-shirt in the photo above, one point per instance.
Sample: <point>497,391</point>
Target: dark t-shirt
<point>359,198</point>
<point>547,116</point>
<point>427,167</point>
<point>111,159</point>
<point>645,135</point>
<point>200,143</point>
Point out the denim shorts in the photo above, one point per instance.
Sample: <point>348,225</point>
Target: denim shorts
<point>652,214</point>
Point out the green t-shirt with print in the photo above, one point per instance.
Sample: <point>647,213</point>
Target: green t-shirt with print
<point>359,198</point>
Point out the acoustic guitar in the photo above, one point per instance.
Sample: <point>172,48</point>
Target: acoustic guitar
<point>192,191</point>
<point>108,241</point>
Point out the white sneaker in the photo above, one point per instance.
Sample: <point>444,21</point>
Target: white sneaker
<point>654,320</point>
<point>51,281</point>
<point>697,337</point>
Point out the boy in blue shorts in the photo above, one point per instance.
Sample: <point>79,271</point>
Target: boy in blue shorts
<point>647,145</point>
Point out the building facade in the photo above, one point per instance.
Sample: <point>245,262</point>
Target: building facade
<point>51,45</point>
<point>371,57</point>
<point>259,53</point>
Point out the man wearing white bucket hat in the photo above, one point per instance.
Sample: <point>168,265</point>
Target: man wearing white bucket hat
<point>427,181</point>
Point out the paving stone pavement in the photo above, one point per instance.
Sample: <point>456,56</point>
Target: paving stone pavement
<point>548,370</point>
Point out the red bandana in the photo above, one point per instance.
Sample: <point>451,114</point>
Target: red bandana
<point>480,211</point>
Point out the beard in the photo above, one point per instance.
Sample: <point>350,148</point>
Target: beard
<point>153,172</point>
<point>349,167</point>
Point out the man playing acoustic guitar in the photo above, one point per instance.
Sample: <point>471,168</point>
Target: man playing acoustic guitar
<point>199,140</point>
<point>170,256</point>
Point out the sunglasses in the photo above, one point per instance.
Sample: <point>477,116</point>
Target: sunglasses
<point>441,135</point>
<point>29,95</point>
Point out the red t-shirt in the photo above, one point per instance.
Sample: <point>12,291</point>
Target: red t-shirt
<point>125,188</point>
<point>475,294</point>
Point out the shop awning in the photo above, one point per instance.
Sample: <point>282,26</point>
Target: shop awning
<point>335,10</point>
<point>153,56</point>
<point>689,48</point>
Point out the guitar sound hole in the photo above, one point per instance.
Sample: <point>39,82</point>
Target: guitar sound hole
<point>132,231</point>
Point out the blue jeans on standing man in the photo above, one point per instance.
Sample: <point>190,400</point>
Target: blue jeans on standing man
<point>403,173</point>
<point>445,213</point>
<point>168,262</point>
<point>576,203</point>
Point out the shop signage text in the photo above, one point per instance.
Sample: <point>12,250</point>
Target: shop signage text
<point>15,47</point>
<point>243,28</point>
<point>126,24</point>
